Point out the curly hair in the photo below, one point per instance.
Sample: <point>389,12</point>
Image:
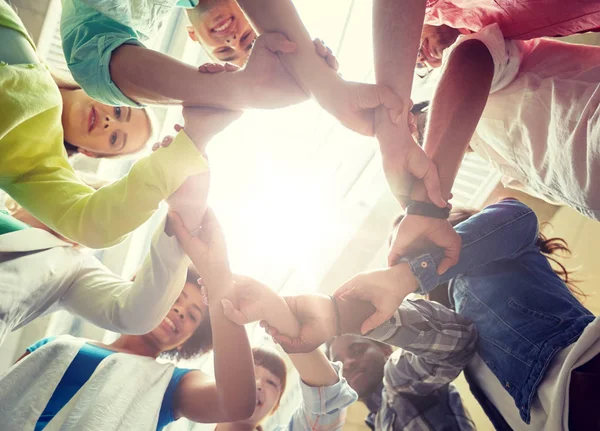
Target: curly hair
<point>201,340</point>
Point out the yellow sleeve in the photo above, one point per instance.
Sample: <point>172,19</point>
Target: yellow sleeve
<point>52,193</point>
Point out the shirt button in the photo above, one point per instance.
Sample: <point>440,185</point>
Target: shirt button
<point>423,264</point>
<point>507,385</point>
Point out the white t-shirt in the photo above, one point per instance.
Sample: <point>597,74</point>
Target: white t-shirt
<point>550,407</point>
<point>541,125</point>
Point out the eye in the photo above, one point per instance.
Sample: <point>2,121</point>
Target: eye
<point>272,383</point>
<point>113,138</point>
<point>117,112</point>
<point>194,319</point>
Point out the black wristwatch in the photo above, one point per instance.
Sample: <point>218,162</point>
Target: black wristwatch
<point>427,209</point>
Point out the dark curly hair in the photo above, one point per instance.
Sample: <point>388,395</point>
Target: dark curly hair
<point>201,340</point>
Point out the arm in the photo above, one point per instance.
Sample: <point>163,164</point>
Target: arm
<point>456,108</point>
<point>323,406</point>
<point>137,307</point>
<point>51,191</point>
<point>397,28</point>
<point>352,103</point>
<point>235,382</point>
<point>500,231</point>
<point>455,111</point>
<point>436,345</point>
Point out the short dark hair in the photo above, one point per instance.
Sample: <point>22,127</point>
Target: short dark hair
<point>201,340</point>
<point>271,361</point>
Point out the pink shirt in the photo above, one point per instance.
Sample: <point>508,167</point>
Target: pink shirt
<point>517,19</point>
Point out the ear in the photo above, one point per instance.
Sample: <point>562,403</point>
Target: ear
<point>192,33</point>
<point>87,153</point>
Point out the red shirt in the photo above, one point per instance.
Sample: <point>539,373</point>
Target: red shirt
<point>518,19</point>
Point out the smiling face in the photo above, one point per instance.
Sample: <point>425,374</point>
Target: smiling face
<point>434,40</point>
<point>268,392</point>
<point>182,320</point>
<point>363,362</point>
<point>222,29</point>
<point>99,130</point>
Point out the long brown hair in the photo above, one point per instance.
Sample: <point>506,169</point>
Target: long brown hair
<point>549,247</point>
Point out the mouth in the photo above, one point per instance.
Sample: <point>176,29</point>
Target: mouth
<point>223,26</point>
<point>260,399</point>
<point>355,376</point>
<point>92,119</point>
<point>171,324</point>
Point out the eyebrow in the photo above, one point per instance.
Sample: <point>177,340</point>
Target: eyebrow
<point>184,294</point>
<point>128,115</point>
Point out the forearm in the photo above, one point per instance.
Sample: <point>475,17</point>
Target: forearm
<point>190,201</point>
<point>456,108</point>
<point>165,80</point>
<point>234,367</point>
<point>314,368</point>
<point>397,26</point>
<point>310,71</point>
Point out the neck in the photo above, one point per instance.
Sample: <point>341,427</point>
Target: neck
<point>136,344</point>
<point>236,426</point>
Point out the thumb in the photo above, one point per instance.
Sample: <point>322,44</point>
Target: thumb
<point>361,293</point>
<point>276,42</point>
<point>372,322</point>
<point>421,167</point>
<point>236,316</point>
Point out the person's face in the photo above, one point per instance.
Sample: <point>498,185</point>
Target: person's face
<point>182,320</point>
<point>268,391</point>
<point>223,30</point>
<point>434,40</point>
<point>363,362</point>
<point>100,130</point>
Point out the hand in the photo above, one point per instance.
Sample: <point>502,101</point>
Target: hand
<point>217,68</point>
<point>317,319</point>
<point>166,141</point>
<point>354,104</point>
<point>385,289</point>
<point>256,301</point>
<point>202,123</point>
<point>416,232</point>
<point>207,249</point>
<point>325,52</point>
<point>404,161</point>
<point>266,79</point>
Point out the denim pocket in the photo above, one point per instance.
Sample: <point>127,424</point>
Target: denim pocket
<point>515,305</point>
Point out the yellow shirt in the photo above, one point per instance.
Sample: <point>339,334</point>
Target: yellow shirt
<point>35,171</point>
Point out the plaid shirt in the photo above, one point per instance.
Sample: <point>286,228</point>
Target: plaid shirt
<point>436,345</point>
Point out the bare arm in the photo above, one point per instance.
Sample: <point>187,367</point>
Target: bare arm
<point>456,108</point>
<point>351,103</point>
<point>455,111</point>
<point>234,367</point>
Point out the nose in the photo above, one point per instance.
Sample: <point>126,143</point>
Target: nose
<point>107,121</point>
<point>232,40</point>
<point>178,311</point>
<point>259,385</point>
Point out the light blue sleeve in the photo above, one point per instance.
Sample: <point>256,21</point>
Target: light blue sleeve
<point>322,408</point>
<point>39,344</point>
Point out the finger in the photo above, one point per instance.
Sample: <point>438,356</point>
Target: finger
<point>451,255</point>
<point>332,62</point>
<point>373,322</point>
<point>276,42</point>
<point>236,316</point>
<point>400,247</point>
<point>292,345</point>
<point>178,127</point>
<point>421,167</point>
<point>156,146</point>
<point>320,48</point>
<point>183,236</point>
<point>347,286</point>
<point>229,67</point>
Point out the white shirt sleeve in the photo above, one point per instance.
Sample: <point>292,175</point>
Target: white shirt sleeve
<point>506,54</point>
<point>109,301</point>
